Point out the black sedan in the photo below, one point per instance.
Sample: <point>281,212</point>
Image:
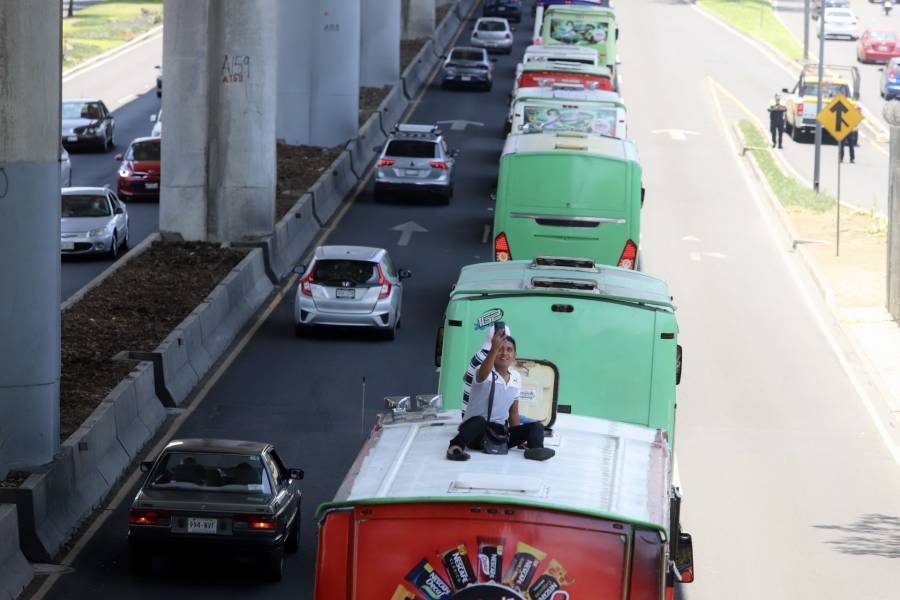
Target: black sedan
<point>511,10</point>
<point>216,495</point>
<point>87,122</point>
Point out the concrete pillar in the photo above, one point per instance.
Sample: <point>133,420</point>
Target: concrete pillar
<point>30,48</point>
<point>891,113</point>
<point>335,72</point>
<point>295,58</point>
<point>379,53</point>
<point>218,167</point>
<point>417,18</point>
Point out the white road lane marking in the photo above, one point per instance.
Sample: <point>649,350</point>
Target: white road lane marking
<point>690,238</point>
<point>678,135</point>
<point>862,394</point>
<point>695,256</point>
<point>127,98</point>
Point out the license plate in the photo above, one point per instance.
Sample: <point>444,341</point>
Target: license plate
<point>466,78</point>
<point>412,172</point>
<point>345,293</point>
<point>151,186</point>
<point>72,138</point>
<point>67,245</point>
<point>882,48</point>
<point>195,525</point>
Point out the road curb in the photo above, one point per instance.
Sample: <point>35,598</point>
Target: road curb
<point>331,188</point>
<point>361,148</point>
<point>111,53</point>
<point>293,235</point>
<point>418,72</point>
<point>15,572</point>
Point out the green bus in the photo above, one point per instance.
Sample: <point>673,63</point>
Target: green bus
<point>569,194</point>
<point>591,340</point>
<point>588,26</point>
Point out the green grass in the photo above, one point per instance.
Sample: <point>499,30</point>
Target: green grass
<point>756,18</point>
<point>791,193</point>
<point>106,25</point>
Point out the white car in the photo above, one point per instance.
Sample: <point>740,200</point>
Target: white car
<point>65,168</point>
<point>492,33</point>
<point>92,221</point>
<point>840,23</point>
<point>157,124</point>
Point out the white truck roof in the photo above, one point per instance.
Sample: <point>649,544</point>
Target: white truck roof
<point>605,468</point>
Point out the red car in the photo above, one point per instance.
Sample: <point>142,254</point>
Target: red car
<point>138,176</point>
<point>877,46</point>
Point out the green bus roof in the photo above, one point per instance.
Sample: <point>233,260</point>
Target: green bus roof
<point>594,11</point>
<point>522,277</point>
<point>570,143</point>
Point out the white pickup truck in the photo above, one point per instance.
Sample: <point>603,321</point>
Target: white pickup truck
<point>801,100</point>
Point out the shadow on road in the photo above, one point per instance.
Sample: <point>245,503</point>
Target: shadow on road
<point>872,535</point>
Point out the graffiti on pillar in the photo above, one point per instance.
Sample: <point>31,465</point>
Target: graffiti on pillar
<point>235,68</point>
<point>330,26</point>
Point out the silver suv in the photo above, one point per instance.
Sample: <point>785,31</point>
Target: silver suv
<point>415,159</point>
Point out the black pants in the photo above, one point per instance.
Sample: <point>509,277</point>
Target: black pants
<point>850,144</point>
<point>779,129</point>
<point>471,434</point>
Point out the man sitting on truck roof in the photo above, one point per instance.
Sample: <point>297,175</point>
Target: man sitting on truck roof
<point>495,374</point>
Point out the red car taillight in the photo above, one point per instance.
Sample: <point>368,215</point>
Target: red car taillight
<point>149,516</point>
<point>800,108</point>
<point>384,283</point>
<point>257,522</point>
<point>305,282</point>
<point>437,164</point>
<point>629,255</point>
<point>501,248</point>
<point>386,162</point>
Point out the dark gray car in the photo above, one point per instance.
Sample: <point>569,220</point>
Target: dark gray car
<point>207,495</point>
<point>87,122</point>
<point>466,66</point>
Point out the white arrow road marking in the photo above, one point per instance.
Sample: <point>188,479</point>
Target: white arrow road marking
<point>718,255</point>
<point>679,135</point>
<point>460,124</point>
<point>406,230</point>
<point>690,238</point>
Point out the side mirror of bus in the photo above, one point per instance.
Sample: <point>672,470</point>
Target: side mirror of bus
<point>785,91</point>
<point>684,558</point>
<point>643,192</point>
<point>678,365</point>
<point>439,346</point>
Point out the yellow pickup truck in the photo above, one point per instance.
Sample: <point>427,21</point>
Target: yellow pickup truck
<point>801,100</point>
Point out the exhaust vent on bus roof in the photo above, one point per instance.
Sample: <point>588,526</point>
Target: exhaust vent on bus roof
<point>563,261</point>
<point>502,485</point>
<point>582,285</point>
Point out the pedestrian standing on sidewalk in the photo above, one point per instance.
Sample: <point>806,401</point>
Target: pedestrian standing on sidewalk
<point>849,141</point>
<point>776,119</point>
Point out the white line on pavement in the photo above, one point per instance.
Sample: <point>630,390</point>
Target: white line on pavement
<point>696,256</point>
<point>485,234</point>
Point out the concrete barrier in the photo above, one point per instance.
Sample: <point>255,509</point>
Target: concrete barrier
<point>332,187</point>
<point>138,412</point>
<point>416,75</point>
<point>15,572</point>
<point>445,31</point>
<point>392,108</point>
<point>293,235</point>
<point>190,351</point>
<point>361,148</point>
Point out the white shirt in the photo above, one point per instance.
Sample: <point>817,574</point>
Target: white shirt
<point>505,393</point>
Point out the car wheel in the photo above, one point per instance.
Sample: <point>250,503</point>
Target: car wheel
<point>489,85</point>
<point>274,565</point>
<point>292,542</point>
<point>390,334</point>
<point>126,241</point>
<point>795,135</point>
<point>114,247</point>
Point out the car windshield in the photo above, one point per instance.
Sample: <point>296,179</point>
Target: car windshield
<point>220,472</point>
<point>86,205</point>
<point>459,54</point>
<point>144,151</point>
<point>829,90</point>
<point>336,272</point>
<point>491,26</point>
<point>412,149</point>
<point>883,36</point>
<point>81,110</point>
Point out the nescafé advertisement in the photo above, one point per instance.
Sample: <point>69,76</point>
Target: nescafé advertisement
<point>599,121</point>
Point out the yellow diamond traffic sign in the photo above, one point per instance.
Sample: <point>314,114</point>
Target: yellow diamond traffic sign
<point>839,117</point>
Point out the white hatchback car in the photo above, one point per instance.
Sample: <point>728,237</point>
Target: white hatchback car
<point>840,22</point>
<point>349,286</point>
<point>492,33</point>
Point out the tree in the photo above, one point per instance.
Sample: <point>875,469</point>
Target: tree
<point>71,7</point>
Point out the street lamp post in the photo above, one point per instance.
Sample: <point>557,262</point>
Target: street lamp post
<point>891,113</point>
<point>805,30</point>
<point>818,162</point>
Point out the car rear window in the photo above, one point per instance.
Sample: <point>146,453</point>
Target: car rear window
<point>883,36</point>
<point>412,149</point>
<point>84,206</point>
<point>211,471</point>
<point>466,55</point>
<point>335,272</point>
<point>491,26</point>
<point>144,151</point>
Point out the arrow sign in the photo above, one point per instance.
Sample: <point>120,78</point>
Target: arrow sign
<point>679,135</point>
<point>461,124</point>
<point>407,230</point>
<point>840,117</point>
